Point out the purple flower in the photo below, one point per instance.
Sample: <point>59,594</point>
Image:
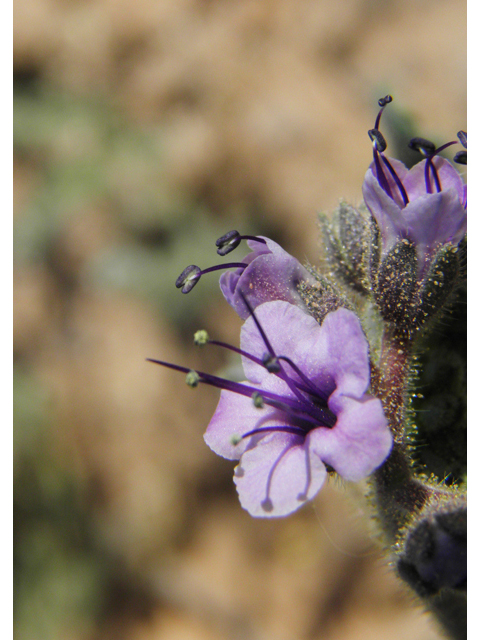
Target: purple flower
<point>429,220</point>
<point>426,204</point>
<point>304,406</point>
<point>267,273</point>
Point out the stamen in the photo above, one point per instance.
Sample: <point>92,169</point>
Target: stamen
<point>188,278</point>
<point>379,146</point>
<point>271,352</point>
<point>271,363</point>
<point>259,326</point>
<point>241,352</point>
<point>326,415</point>
<point>192,274</point>
<point>379,142</point>
<point>310,387</point>
<point>192,379</point>
<point>429,150</point>
<point>258,400</point>
<point>267,504</point>
<point>201,338</point>
<point>461,156</point>
<point>433,169</point>
<point>231,240</point>
<point>444,146</point>
<point>381,177</point>
<point>425,147</point>
<point>299,411</point>
<point>303,496</point>
<point>296,431</point>
<point>462,136</point>
<point>382,103</point>
<point>398,182</point>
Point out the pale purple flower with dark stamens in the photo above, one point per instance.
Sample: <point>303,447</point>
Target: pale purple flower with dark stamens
<point>310,412</point>
<point>270,274</point>
<point>303,406</point>
<point>426,204</point>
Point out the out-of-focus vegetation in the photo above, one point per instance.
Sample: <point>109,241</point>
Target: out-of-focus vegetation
<point>142,132</point>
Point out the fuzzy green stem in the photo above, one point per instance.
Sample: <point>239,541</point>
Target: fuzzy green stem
<point>397,493</point>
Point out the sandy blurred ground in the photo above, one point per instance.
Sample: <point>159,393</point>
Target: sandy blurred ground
<point>143,131</point>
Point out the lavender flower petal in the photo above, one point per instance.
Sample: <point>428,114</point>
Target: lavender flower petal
<point>335,354</point>
<point>359,442</point>
<point>278,475</point>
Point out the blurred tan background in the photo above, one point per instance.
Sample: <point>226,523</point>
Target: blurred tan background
<point>143,131</point>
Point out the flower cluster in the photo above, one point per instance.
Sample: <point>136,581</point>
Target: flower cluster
<point>303,410</point>
<point>306,407</point>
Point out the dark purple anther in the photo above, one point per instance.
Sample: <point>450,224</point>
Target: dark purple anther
<point>378,140</point>
<point>422,145</point>
<point>192,274</point>
<point>462,136</point>
<point>231,240</point>
<point>188,278</point>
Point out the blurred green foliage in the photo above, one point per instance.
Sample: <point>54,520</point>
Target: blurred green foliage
<point>85,156</point>
<point>58,576</point>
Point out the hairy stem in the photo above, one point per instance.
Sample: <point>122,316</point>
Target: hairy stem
<point>397,492</point>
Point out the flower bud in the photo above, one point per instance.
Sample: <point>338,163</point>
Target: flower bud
<point>396,285</point>
<point>440,281</point>
<point>435,552</point>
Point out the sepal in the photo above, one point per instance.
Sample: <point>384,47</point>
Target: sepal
<point>347,243</point>
<point>323,297</point>
<point>439,284</point>
<point>396,286</point>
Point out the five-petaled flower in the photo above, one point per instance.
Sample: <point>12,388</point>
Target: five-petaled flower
<point>288,421</point>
